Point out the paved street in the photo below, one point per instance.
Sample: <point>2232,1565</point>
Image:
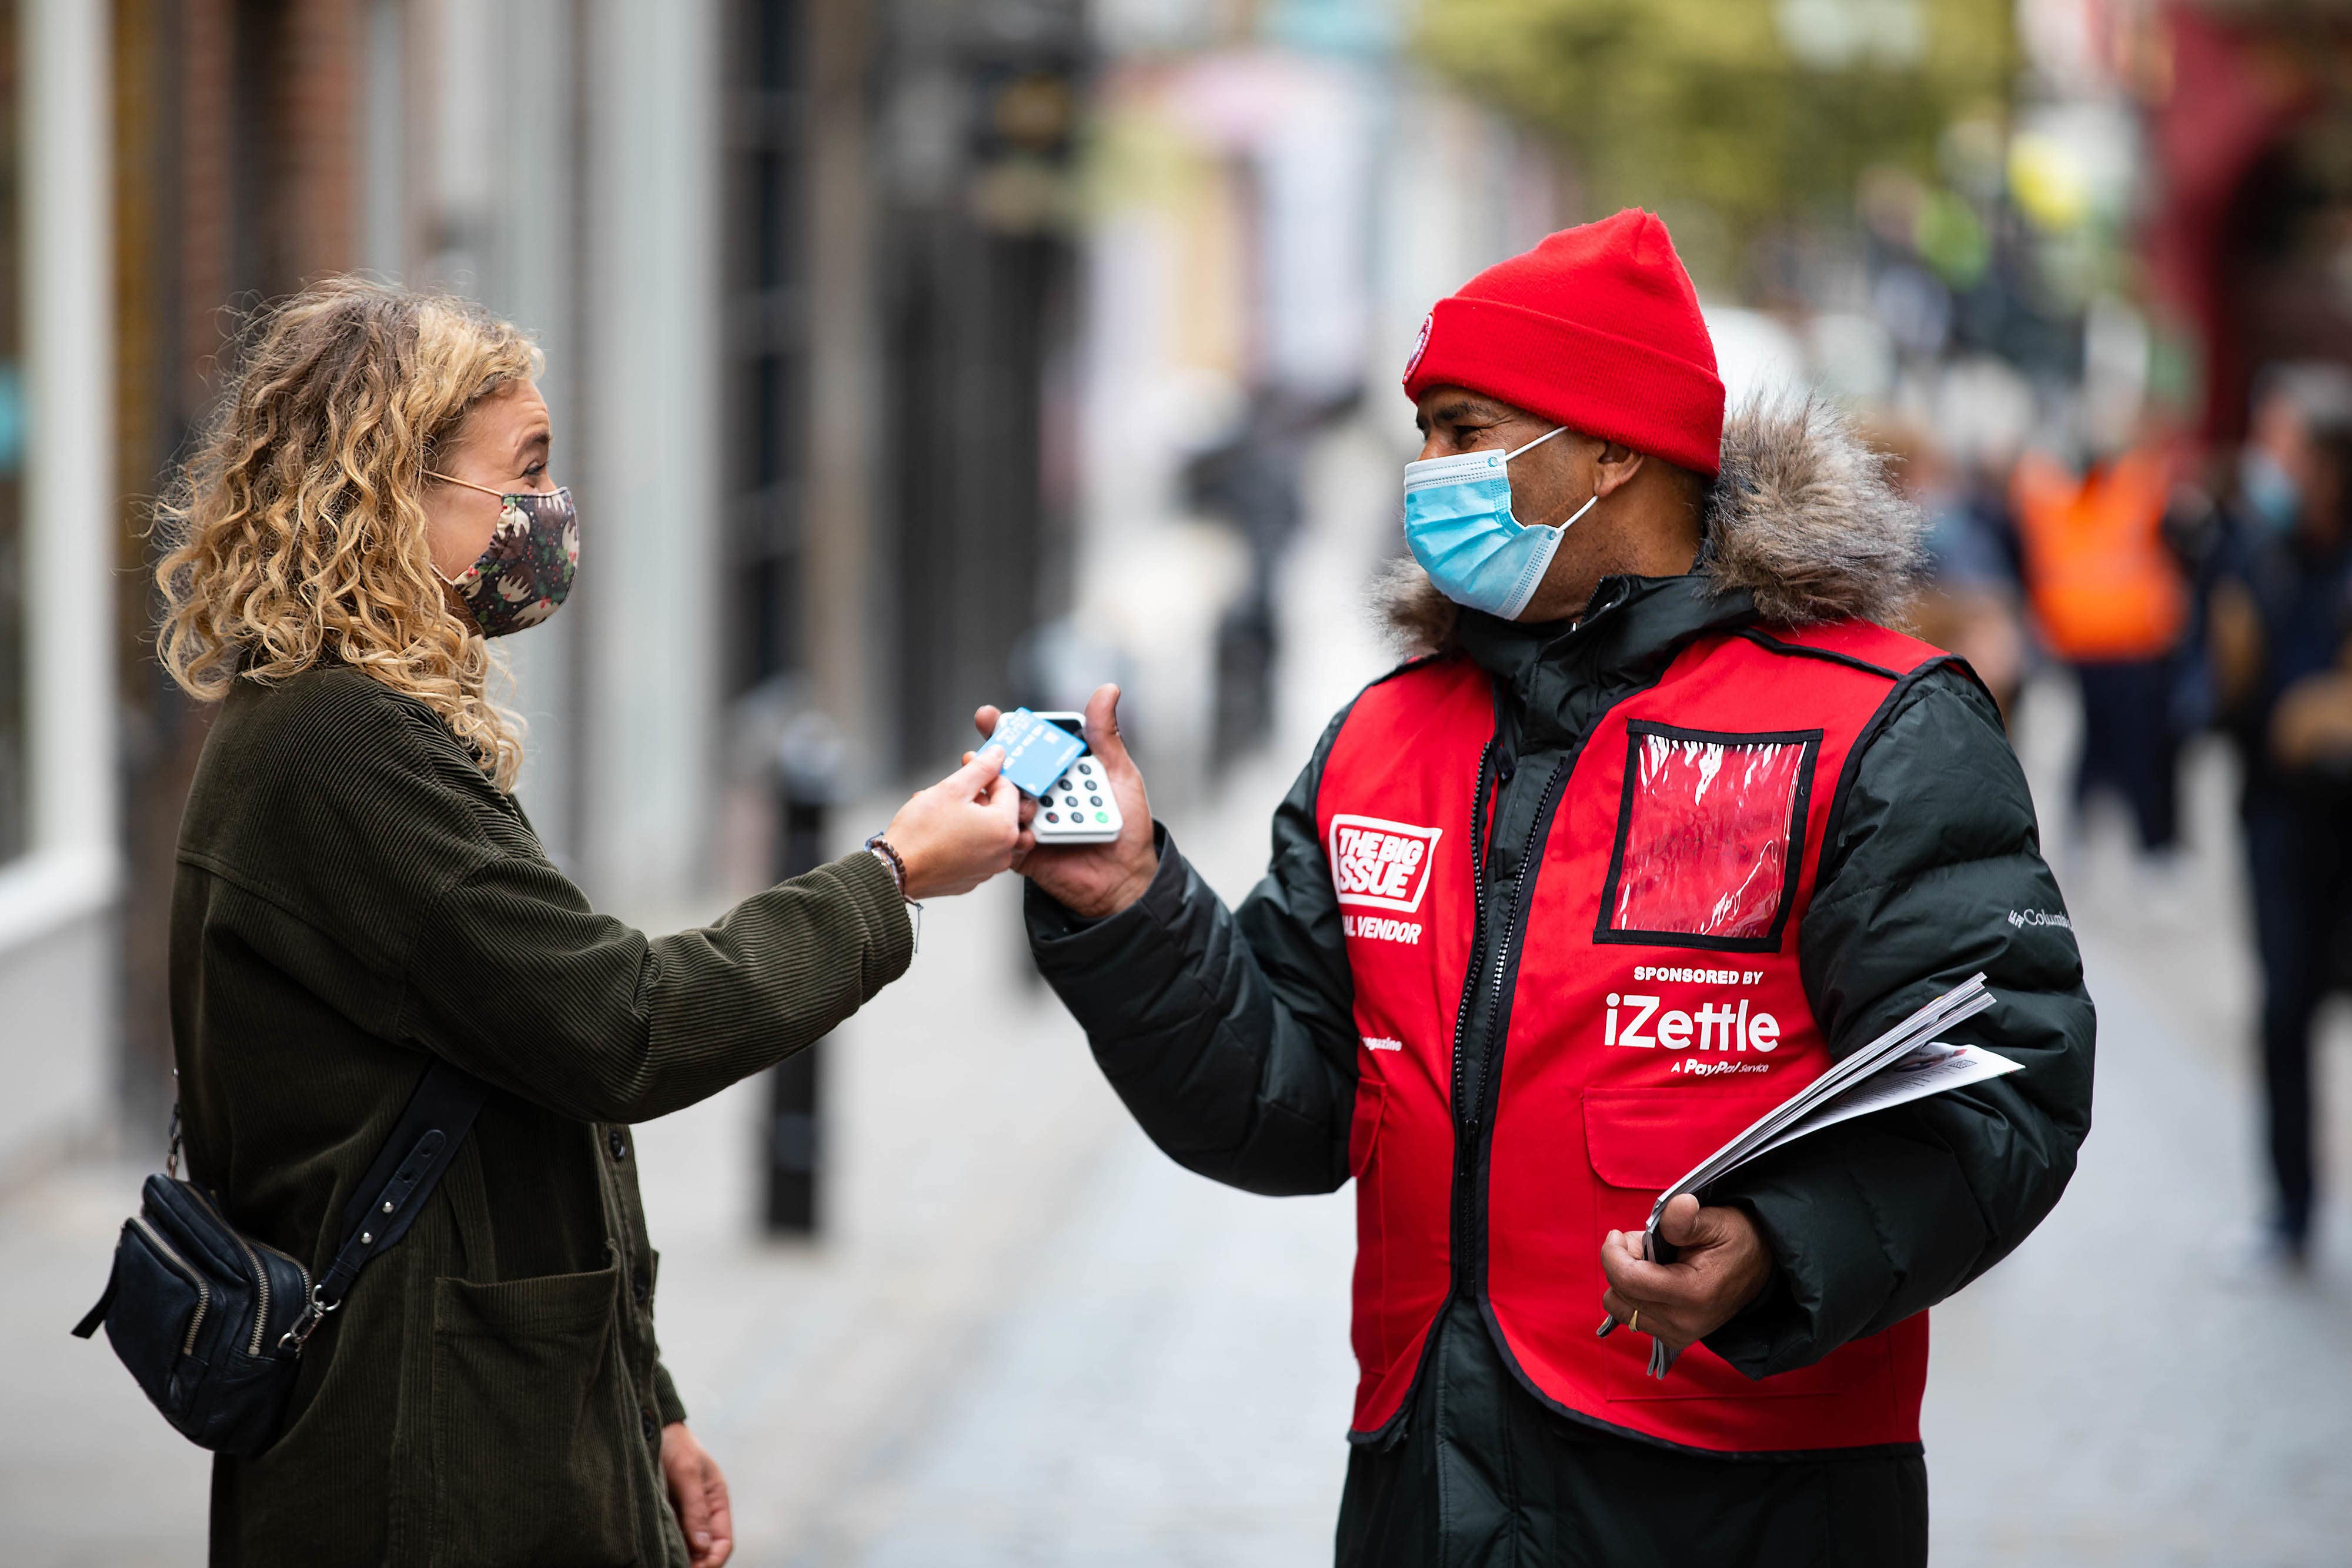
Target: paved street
<point>1028,1339</point>
<point>2128,1388</point>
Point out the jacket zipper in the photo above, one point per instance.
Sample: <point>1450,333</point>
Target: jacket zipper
<point>260,1274</point>
<point>1466,1107</point>
<point>204,1291</point>
<point>1479,931</point>
<point>1503,945</point>
<point>1468,1102</point>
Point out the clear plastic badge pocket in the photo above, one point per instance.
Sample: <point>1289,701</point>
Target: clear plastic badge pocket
<point>1710,832</point>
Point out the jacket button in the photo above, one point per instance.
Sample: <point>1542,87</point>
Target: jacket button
<point>616,1142</point>
<point>639,1288</point>
<point>653,1428</point>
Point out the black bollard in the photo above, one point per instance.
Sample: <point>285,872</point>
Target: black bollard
<point>807,777</point>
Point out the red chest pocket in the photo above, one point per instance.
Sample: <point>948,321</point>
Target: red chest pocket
<point>1710,831</point>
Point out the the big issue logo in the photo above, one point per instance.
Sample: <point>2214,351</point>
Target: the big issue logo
<point>1380,864</point>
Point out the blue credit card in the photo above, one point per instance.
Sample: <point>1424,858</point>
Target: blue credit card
<point>1036,752</point>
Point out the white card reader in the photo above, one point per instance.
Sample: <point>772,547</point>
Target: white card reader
<point>1080,807</point>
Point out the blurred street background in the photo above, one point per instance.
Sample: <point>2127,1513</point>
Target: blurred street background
<point>909,354</point>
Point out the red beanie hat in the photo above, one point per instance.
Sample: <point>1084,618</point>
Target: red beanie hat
<point>1597,329</point>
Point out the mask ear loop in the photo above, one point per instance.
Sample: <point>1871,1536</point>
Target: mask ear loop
<point>1539,441</point>
<point>501,495</point>
<point>1530,446</point>
<point>506,505</point>
<point>1579,512</point>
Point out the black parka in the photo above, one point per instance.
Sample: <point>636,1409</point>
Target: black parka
<point>1229,1035</point>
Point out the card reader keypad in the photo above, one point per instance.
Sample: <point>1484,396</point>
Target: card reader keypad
<point>1079,799</point>
<point>1078,795</point>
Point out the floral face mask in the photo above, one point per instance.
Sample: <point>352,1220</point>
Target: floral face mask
<point>523,575</point>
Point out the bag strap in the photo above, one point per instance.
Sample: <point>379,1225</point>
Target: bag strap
<point>393,1192</point>
<point>96,1314</point>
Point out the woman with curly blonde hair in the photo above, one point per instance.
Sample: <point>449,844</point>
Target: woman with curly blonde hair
<point>359,896</point>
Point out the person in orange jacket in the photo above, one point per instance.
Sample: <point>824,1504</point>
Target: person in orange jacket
<point>2109,598</point>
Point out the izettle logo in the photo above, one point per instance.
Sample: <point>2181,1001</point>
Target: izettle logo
<point>1721,1026</point>
<point>1381,864</point>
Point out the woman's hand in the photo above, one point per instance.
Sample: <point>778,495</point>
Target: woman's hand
<point>1094,881</point>
<point>1722,1263</point>
<point>961,831</point>
<point>698,1494</point>
<point>2313,722</point>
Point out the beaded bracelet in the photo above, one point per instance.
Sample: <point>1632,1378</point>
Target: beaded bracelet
<point>887,854</point>
<point>881,846</point>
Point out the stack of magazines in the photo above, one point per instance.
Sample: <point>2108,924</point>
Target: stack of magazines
<point>1906,1063</point>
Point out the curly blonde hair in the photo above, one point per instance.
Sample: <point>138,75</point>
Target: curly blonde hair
<point>297,531</point>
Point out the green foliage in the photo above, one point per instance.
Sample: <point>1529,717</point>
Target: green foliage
<point>1953,240</point>
<point>1676,103</point>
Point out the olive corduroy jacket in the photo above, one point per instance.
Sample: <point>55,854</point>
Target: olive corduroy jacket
<point>353,898</point>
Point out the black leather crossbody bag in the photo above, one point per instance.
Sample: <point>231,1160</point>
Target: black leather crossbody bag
<point>212,1323</point>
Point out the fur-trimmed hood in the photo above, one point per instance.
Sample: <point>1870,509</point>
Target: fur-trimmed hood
<point>1803,518</point>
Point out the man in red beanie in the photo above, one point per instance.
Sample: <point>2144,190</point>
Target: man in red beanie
<point>1662,820</point>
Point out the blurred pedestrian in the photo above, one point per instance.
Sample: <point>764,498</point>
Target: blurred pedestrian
<point>2281,630</point>
<point>2110,600</point>
<point>1251,478</point>
<point>1657,749</point>
<point>1969,603</point>
<point>360,894</point>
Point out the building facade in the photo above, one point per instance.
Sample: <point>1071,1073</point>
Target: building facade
<point>792,377</point>
<point>59,864</point>
<point>558,160</point>
<point>2249,112</point>
<point>880,338</point>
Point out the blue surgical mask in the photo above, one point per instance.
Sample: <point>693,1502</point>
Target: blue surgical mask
<point>2269,491</point>
<point>1459,525</point>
